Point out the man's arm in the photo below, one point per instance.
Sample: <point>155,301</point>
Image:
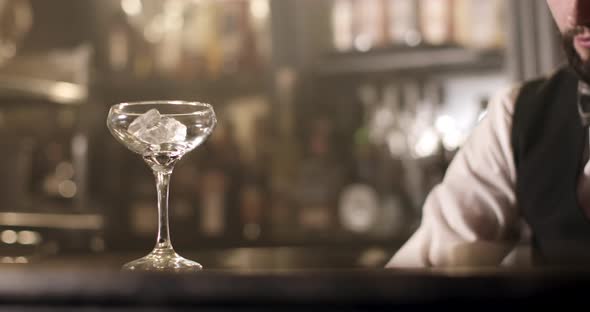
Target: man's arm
<point>471,217</point>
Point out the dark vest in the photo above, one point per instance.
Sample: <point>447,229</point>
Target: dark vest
<point>549,141</point>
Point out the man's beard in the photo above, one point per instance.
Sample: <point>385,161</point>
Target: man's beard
<point>581,68</point>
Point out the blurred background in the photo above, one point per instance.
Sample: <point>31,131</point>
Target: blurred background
<point>336,118</point>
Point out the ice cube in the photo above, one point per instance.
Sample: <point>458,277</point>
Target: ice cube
<point>152,128</point>
<point>154,135</point>
<point>175,130</point>
<point>145,121</point>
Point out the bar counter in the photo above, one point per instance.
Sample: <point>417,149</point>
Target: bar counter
<point>41,288</point>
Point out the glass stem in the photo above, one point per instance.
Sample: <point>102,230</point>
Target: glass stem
<point>162,185</point>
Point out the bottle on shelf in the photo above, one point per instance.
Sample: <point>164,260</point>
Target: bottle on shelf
<point>249,58</point>
<point>184,199</point>
<point>213,48</point>
<point>260,21</point>
<point>219,183</point>
<point>318,182</point>
<point>402,20</point>
<point>371,206</point>
<point>196,32</point>
<point>118,44</point>
<point>369,21</point>
<point>462,22</point>
<point>436,21</point>
<point>213,192</point>
<point>412,177</point>
<point>143,209</point>
<point>479,23</point>
<point>359,201</point>
<point>231,34</point>
<point>342,25</point>
<point>252,211</point>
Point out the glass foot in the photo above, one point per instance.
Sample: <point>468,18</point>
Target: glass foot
<point>163,260</point>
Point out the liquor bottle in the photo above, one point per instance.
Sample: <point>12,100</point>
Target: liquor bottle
<point>412,177</point>
<point>358,205</point>
<point>369,20</point>
<point>370,206</point>
<point>213,48</point>
<point>56,175</point>
<point>231,34</point>
<point>118,44</point>
<point>219,183</point>
<point>486,29</point>
<point>396,138</point>
<point>359,208</point>
<point>184,199</point>
<point>436,21</point>
<point>212,203</point>
<point>403,22</point>
<point>259,20</point>
<point>168,54</point>
<point>251,211</point>
<point>462,22</point>
<point>433,102</point>
<point>195,40</point>
<point>478,23</point>
<point>358,200</point>
<point>143,210</point>
<point>342,25</point>
<point>280,215</point>
<point>255,199</point>
<point>249,57</point>
<point>16,195</point>
<point>318,182</point>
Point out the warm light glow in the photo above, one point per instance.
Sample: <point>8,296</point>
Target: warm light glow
<point>413,38</point>
<point>8,237</point>
<point>28,238</point>
<point>342,25</point>
<point>384,118</point>
<point>131,7</point>
<point>7,260</point>
<point>445,123</point>
<point>259,9</point>
<point>21,260</point>
<point>427,144</point>
<point>79,147</point>
<point>363,43</point>
<point>383,121</point>
<point>453,140</point>
<point>396,142</point>
<point>67,189</point>
<point>154,31</point>
<point>67,91</point>
<point>452,137</point>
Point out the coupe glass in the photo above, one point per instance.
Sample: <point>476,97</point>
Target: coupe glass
<point>162,132</point>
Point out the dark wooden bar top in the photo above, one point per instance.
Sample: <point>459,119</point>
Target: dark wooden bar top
<point>44,289</point>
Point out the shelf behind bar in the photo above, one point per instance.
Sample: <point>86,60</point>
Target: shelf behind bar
<point>406,59</point>
<point>59,92</point>
<point>52,220</point>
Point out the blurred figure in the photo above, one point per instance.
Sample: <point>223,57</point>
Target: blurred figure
<point>523,175</point>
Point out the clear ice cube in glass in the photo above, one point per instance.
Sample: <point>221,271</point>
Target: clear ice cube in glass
<point>153,129</point>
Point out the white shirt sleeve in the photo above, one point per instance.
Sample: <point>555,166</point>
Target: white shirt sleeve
<point>471,217</point>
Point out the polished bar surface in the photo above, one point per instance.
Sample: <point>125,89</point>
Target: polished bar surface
<point>294,290</point>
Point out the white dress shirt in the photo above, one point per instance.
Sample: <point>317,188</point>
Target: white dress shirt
<point>471,217</point>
